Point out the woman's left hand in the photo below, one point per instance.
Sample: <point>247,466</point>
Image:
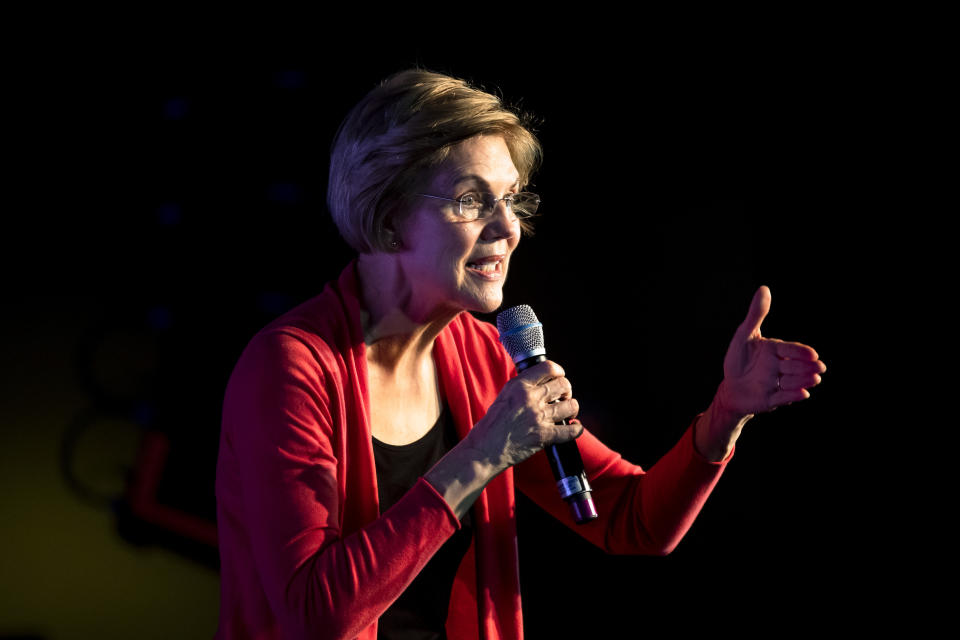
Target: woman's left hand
<point>761,374</point>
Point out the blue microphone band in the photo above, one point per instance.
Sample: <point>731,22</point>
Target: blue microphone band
<point>516,330</point>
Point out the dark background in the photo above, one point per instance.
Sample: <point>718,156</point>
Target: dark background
<point>676,181</point>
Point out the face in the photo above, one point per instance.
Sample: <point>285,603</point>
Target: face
<point>452,264</point>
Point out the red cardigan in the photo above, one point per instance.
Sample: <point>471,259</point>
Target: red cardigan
<point>304,550</point>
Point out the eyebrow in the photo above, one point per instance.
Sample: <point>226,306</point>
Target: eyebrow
<point>474,177</point>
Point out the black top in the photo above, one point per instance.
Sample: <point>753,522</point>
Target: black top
<point>421,611</point>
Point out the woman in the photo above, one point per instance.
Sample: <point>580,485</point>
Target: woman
<point>372,437</point>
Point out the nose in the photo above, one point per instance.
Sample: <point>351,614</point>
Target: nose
<point>501,223</point>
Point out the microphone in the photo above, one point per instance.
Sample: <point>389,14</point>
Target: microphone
<point>522,336</point>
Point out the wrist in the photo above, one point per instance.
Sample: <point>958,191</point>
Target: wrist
<point>718,429</point>
<point>461,475</point>
<point>723,409</point>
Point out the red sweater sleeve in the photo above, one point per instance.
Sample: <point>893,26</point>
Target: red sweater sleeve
<point>640,512</point>
<point>281,502</point>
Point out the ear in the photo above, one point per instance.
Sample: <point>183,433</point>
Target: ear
<point>385,228</point>
<point>395,226</point>
<point>389,233</point>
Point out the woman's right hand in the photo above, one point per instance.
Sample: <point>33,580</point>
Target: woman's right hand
<point>521,421</point>
<point>524,418</point>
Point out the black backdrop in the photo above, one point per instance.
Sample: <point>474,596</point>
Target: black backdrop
<point>673,186</point>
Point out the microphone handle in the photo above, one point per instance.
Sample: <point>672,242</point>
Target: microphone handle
<point>567,467</point>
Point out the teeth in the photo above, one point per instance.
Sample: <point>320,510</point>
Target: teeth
<point>487,267</point>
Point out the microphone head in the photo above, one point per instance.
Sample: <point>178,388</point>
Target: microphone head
<point>520,332</point>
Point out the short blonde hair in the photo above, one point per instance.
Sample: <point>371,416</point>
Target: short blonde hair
<point>400,131</point>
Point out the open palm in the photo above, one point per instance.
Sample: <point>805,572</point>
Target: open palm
<point>761,374</point>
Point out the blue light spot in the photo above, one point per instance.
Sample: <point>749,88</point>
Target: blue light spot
<point>160,318</point>
<point>290,79</point>
<point>285,192</point>
<point>274,303</point>
<point>169,214</point>
<point>176,108</point>
<point>143,414</point>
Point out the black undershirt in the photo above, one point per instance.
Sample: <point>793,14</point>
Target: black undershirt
<point>421,610</point>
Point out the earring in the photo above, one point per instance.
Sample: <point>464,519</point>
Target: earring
<point>394,243</point>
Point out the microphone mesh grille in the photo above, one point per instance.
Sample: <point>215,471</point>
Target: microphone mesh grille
<point>525,341</point>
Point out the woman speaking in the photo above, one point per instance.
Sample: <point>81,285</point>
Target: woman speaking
<point>373,436</point>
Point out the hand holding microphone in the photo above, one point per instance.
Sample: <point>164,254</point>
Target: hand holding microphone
<point>522,336</point>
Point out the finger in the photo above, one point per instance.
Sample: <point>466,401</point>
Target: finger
<point>795,350</point>
<point>556,389</point>
<point>563,432</point>
<point>800,367</point>
<point>564,410</point>
<point>794,383</point>
<point>781,398</point>
<point>759,308</point>
<point>542,372</point>
<point>574,427</point>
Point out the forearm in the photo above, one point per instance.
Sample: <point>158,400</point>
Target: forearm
<point>461,475</point>
<point>532,410</point>
<point>670,495</point>
<point>640,512</point>
<point>718,429</point>
<point>346,586</point>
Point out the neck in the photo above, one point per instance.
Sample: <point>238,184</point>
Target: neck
<point>399,333</point>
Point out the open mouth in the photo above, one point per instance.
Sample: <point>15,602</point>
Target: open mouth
<point>489,268</point>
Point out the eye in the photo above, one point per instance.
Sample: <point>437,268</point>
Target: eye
<point>469,200</point>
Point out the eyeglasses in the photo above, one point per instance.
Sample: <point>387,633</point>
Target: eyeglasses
<point>476,206</point>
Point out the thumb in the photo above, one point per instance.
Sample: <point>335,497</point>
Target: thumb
<point>759,308</point>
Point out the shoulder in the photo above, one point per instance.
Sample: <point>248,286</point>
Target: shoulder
<point>287,372</point>
<point>300,336</point>
<point>279,347</point>
<point>318,338</point>
<point>279,367</point>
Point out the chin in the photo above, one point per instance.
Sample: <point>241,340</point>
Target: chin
<point>488,304</point>
<point>489,308</point>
